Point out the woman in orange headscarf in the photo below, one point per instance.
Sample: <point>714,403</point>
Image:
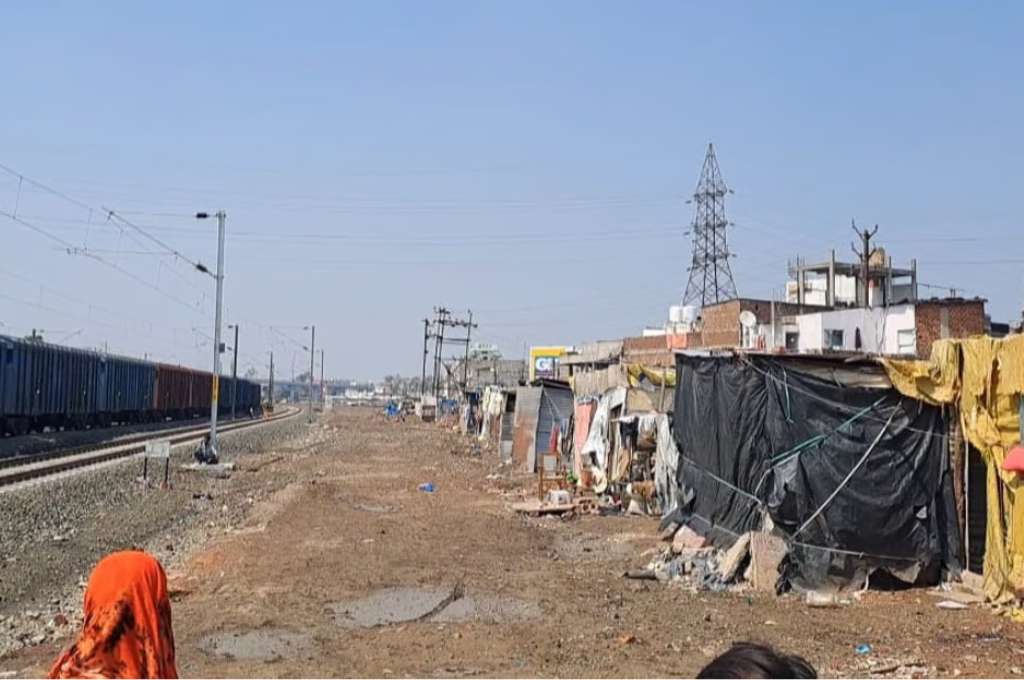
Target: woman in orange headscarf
<point>127,628</point>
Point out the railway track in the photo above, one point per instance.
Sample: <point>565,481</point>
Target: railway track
<point>35,466</point>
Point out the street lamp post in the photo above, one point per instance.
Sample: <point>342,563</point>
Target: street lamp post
<point>215,386</point>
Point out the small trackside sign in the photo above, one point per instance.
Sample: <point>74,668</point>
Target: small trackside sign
<point>159,448</point>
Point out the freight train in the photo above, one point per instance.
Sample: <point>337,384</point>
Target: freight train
<point>57,387</point>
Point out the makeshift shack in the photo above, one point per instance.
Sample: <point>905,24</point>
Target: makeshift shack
<point>982,379</point>
<point>543,413</point>
<point>824,453</point>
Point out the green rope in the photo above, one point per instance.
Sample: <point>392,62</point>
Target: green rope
<point>819,439</point>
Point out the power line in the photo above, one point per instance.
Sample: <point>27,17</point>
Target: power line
<point>110,214</point>
<point>73,249</point>
<point>173,251</point>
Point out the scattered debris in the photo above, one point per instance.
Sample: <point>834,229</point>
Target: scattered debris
<point>862,649</point>
<point>950,604</point>
<point>820,600</point>
<point>685,538</point>
<point>733,558</point>
<point>427,487</point>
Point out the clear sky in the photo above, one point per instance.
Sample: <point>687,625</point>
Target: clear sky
<point>526,160</point>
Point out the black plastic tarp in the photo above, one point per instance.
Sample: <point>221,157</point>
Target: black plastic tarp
<point>854,478</point>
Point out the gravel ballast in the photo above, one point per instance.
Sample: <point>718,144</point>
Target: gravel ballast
<point>54,531</point>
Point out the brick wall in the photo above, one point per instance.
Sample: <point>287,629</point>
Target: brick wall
<point>947,319</point>
<point>721,324</point>
<point>722,321</point>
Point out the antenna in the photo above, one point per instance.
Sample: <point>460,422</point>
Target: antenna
<point>710,277</point>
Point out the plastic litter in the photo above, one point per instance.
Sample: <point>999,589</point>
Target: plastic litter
<point>950,604</point>
<point>863,648</point>
<point>427,487</point>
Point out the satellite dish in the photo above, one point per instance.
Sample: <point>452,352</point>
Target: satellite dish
<point>747,319</point>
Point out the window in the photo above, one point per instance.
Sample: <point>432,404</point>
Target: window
<point>833,339</point>
<point>792,341</point>
<point>906,341</point>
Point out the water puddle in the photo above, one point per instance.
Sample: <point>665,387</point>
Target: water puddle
<point>392,605</point>
<point>488,609</point>
<point>265,644</point>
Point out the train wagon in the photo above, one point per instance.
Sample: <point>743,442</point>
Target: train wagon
<point>44,385</point>
<point>181,392</point>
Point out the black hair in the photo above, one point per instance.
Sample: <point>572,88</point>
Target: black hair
<point>751,660</point>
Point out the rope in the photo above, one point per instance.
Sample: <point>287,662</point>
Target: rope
<point>778,459</point>
<point>834,404</point>
<point>849,476</point>
<point>721,481</point>
<point>811,546</point>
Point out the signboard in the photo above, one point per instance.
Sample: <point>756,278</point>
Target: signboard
<point>544,367</point>
<point>544,361</point>
<point>159,448</point>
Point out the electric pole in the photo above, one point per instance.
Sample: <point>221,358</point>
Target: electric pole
<point>865,254</point>
<point>322,393</point>
<point>423,378</point>
<point>270,395</point>
<point>442,319</point>
<point>215,384</point>
<point>312,354</point>
<point>465,361</point>
<point>234,374</point>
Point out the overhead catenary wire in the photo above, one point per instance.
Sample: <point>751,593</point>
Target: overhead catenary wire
<point>74,249</point>
<point>171,250</point>
<point>109,212</point>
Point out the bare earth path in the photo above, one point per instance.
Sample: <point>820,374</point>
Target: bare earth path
<point>486,593</point>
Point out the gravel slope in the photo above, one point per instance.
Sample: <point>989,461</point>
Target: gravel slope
<point>54,531</point>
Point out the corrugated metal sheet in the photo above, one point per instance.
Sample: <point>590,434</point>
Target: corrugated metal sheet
<point>556,405</point>
<point>524,439</point>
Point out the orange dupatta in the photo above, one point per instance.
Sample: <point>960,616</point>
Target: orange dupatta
<point>127,628</point>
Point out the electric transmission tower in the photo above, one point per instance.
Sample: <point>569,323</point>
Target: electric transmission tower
<point>710,277</point>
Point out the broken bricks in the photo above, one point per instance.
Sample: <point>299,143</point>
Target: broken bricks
<point>687,538</point>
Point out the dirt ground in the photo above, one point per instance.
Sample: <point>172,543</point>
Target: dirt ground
<point>348,542</point>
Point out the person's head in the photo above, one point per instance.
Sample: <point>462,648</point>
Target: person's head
<point>750,660</point>
<point>126,631</point>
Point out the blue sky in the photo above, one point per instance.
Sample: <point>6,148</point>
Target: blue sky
<point>525,160</point>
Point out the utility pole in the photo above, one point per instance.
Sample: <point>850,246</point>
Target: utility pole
<point>215,387</point>
<point>465,362</point>
<point>234,375</point>
<point>423,378</point>
<point>312,354</point>
<point>322,393</point>
<point>270,395</point>
<point>442,319</point>
<point>865,254</point>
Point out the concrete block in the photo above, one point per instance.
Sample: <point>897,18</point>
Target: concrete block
<point>766,554</point>
<point>733,558</point>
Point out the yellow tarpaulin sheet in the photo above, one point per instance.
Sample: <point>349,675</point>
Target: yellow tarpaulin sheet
<point>656,376</point>
<point>984,378</point>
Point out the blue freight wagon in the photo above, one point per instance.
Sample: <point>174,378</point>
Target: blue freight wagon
<point>44,385</point>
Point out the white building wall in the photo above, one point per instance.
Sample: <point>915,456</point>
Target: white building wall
<point>879,329</point>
